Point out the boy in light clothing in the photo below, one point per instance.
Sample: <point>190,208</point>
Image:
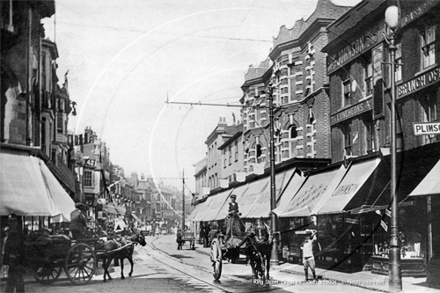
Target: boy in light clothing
<point>308,257</point>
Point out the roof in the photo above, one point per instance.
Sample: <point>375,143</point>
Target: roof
<point>325,9</point>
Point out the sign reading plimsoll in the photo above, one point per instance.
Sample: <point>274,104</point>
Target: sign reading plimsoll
<point>424,128</point>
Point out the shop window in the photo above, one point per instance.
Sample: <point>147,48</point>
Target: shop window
<point>428,46</point>
<point>346,93</point>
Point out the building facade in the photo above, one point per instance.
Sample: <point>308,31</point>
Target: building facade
<point>359,71</point>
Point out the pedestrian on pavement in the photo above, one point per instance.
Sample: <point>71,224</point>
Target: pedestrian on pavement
<point>307,251</point>
<point>14,256</point>
<point>78,221</point>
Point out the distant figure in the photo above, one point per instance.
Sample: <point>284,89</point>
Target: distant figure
<point>179,240</point>
<point>14,256</point>
<point>206,230</point>
<point>78,221</point>
<point>308,257</point>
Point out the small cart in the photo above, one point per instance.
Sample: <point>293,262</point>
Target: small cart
<point>187,236</point>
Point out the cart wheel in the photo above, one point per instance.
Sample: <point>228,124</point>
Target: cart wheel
<point>80,264</point>
<point>216,259</point>
<point>47,273</point>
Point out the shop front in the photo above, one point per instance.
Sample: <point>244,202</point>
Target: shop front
<point>298,214</point>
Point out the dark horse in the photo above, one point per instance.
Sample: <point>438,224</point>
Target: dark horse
<point>119,248</point>
<point>258,247</point>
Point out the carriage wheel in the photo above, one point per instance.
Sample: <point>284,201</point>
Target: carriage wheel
<point>47,273</point>
<point>217,259</point>
<point>80,264</point>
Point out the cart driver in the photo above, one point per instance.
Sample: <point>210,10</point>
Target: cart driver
<point>78,221</point>
<point>233,217</point>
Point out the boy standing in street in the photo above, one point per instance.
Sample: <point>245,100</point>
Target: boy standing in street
<point>308,257</point>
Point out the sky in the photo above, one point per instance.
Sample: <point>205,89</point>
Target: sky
<point>125,59</point>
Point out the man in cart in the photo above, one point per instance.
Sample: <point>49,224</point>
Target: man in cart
<point>78,221</point>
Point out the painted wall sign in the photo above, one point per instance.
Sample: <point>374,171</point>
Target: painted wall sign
<point>353,50</point>
<point>418,82</point>
<point>425,128</point>
<point>350,112</point>
<point>417,12</point>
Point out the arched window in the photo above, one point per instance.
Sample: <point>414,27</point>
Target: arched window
<point>292,132</point>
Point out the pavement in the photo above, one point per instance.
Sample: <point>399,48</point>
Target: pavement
<point>283,272</point>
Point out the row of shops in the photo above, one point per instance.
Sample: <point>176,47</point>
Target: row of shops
<point>348,203</point>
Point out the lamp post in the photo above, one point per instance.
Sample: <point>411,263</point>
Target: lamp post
<point>395,277</point>
<point>273,201</point>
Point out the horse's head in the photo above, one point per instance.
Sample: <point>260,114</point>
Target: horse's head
<point>138,238</point>
<point>262,233</point>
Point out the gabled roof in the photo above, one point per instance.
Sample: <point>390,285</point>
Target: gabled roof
<point>325,10</point>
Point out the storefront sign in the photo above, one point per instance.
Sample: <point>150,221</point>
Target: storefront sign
<point>418,83</point>
<point>425,128</point>
<point>350,112</point>
<point>417,12</point>
<point>353,50</point>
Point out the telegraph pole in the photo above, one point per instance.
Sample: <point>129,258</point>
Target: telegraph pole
<point>183,202</point>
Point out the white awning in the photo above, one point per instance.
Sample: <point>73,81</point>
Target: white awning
<point>430,185</point>
<point>217,202</point>
<point>28,188</point>
<point>261,205</point>
<point>356,177</point>
<point>308,200</point>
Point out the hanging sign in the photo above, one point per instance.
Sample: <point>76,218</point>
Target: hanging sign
<point>388,213</point>
<point>384,225</point>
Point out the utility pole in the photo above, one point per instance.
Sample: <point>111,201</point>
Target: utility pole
<point>183,202</point>
<point>274,261</point>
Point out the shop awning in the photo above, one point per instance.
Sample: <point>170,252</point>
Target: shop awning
<point>194,212</point>
<point>249,198</point>
<point>203,210</point>
<point>289,192</point>
<point>27,187</point>
<point>261,206</point>
<point>137,219</point>
<point>353,181</point>
<point>308,200</point>
<point>223,211</point>
<point>430,185</point>
<point>217,202</point>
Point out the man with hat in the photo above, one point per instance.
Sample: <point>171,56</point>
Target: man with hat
<point>233,216</point>
<point>14,256</point>
<point>78,222</point>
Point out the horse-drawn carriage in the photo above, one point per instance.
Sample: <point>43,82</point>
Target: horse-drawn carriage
<point>47,256</point>
<point>255,243</point>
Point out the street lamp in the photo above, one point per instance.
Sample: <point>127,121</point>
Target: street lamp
<point>273,200</point>
<point>395,277</point>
